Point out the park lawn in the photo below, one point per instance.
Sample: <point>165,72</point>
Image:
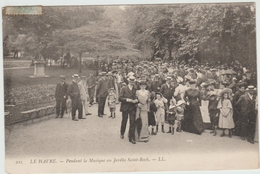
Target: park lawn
<point>20,87</point>
<point>21,77</point>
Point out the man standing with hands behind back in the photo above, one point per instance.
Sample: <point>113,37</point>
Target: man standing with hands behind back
<point>91,83</point>
<point>61,97</point>
<point>128,101</point>
<point>74,93</point>
<point>101,93</point>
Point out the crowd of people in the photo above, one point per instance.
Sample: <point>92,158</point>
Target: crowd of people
<point>186,97</point>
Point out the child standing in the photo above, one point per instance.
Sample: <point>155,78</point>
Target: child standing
<point>172,115</point>
<point>180,113</point>
<point>111,98</point>
<point>213,112</point>
<point>161,104</point>
<point>151,114</point>
<point>226,112</point>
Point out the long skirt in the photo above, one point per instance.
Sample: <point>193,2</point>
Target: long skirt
<point>117,92</point>
<point>226,122</point>
<point>256,129</point>
<point>205,111</point>
<point>141,130</point>
<point>193,122</point>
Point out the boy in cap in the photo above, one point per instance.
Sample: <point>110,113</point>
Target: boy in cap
<point>61,97</point>
<point>111,100</point>
<point>161,105</point>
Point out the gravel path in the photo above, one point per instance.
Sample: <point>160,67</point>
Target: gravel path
<point>95,139</point>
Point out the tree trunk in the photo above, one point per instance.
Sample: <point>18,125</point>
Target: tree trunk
<point>80,60</point>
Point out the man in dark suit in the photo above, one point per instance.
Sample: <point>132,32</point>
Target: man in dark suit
<point>91,83</point>
<point>74,93</point>
<point>61,97</point>
<point>101,93</point>
<point>156,84</point>
<point>128,101</point>
<point>110,80</point>
<point>167,90</point>
<point>248,114</point>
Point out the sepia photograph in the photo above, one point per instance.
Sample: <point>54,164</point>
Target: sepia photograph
<point>130,88</point>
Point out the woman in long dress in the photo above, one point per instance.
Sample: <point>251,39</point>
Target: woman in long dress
<point>204,103</point>
<point>192,122</point>
<point>142,133</point>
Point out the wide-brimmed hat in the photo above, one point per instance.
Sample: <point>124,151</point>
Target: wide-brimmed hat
<point>180,102</point>
<point>159,94</point>
<point>130,74</point>
<point>111,89</point>
<point>212,93</point>
<point>225,90</point>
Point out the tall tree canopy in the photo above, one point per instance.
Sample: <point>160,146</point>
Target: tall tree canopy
<point>207,32</point>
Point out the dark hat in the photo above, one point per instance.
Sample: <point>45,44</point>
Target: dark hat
<point>142,83</point>
<point>62,77</point>
<point>191,70</point>
<point>241,84</point>
<point>131,78</point>
<point>159,94</point>
<point>192,81</point>
<point>111,89</point>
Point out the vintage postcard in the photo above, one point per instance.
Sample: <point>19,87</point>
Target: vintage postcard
<point>130,88</point>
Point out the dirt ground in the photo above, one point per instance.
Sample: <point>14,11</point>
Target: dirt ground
<point>95,139</point>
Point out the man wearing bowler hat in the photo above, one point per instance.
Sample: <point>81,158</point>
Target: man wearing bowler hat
<point>74,93</point>
<point>128,101</point>
<point>61,97</point>
<point>101,93</point>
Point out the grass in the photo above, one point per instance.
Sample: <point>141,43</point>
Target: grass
<point>21,77</point>
<point>15,78</point>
